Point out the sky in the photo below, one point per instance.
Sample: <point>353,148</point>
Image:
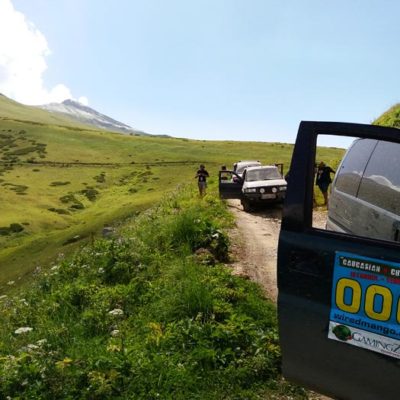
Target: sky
<point>206,69</point>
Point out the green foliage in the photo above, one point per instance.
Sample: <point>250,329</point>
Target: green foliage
<point>58,183</point>
<point>390,118</point>
<point>13,228</point>
<point>90,193</point>
<point>137,317</point>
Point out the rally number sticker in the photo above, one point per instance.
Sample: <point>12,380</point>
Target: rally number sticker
<point>365,309</point>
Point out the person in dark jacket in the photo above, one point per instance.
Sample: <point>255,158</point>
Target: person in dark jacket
<point>202,176</point>
<point>324,179</point>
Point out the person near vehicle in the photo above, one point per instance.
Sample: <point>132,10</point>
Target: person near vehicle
<point>324,179</point>
<point>202,176</point>
<point>225,176</point>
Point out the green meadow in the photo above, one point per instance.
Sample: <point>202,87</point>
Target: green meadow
<point>152,311</point>
<point>60,184</point>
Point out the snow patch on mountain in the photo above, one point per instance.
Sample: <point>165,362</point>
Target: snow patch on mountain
<point>89,116</point>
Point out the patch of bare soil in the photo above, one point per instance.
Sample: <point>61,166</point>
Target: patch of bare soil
<point>254,244</point>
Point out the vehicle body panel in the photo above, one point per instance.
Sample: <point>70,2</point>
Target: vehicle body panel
<point>306,270</point>
<point>257,190</point>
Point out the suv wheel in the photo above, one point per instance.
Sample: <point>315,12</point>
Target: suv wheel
<point>246,205</point>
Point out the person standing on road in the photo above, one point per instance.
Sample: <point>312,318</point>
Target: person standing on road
<point>324,179</point>
<point>202,176</point>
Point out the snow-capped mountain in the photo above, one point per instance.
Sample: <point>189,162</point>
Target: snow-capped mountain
<point>88,116</point>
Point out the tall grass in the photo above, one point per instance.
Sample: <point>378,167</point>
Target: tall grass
<point>142,316</point>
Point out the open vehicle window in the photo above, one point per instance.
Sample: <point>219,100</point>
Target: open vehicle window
<point>357,189</point>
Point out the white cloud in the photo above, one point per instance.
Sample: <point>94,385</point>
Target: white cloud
<point>23,52</point>
<point>83,100</point>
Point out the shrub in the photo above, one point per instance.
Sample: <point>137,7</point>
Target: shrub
<point>90,193</point>
<point>58,183</point>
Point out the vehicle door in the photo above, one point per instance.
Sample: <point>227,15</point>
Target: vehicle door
<point>229,185</point>
<point>339,294</point>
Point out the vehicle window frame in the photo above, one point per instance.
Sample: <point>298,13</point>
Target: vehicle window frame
<point>297,213</point>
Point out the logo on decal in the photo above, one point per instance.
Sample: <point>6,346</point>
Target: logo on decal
<point>342,332</point>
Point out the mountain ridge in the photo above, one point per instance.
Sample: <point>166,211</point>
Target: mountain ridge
<point>70,113</point>
<point>89,116</point>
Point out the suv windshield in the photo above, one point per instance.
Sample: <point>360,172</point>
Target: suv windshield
<point>262,174</point>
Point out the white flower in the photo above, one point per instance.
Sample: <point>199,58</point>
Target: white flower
<point>116,311</point>
<point>32,346</point>
<point>23,329</point>
<point>115,333</point>
<point>100,270</point>
<point>41,342</point>
<point>55,267</point>
<point>10,283</point>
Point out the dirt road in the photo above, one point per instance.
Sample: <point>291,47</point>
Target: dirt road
<point>254,247</point>
<point>255,243</point>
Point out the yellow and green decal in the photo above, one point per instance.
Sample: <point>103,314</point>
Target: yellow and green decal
<point>365,306</point>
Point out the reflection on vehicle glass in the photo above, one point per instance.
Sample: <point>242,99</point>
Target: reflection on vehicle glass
<point>365,198</point>
<point>353,165</point>
<point>381,181</point>
<point>263,174</point>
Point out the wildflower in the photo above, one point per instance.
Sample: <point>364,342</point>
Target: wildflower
<point>23,329</point>
<point>100,270</point>
<point>116,311</point>
<point>31,346</point>
<point>115,333</point>
<point>55,267</point>
<point>24,302</point>
<point>10,283</point>
<point>41,342</point>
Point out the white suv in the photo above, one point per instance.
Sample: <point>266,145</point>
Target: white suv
<point>262,184</point>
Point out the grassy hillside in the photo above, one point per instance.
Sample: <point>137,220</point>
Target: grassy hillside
<point>61,184</point>
<point>17,111</point>
<point>390,118</point>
